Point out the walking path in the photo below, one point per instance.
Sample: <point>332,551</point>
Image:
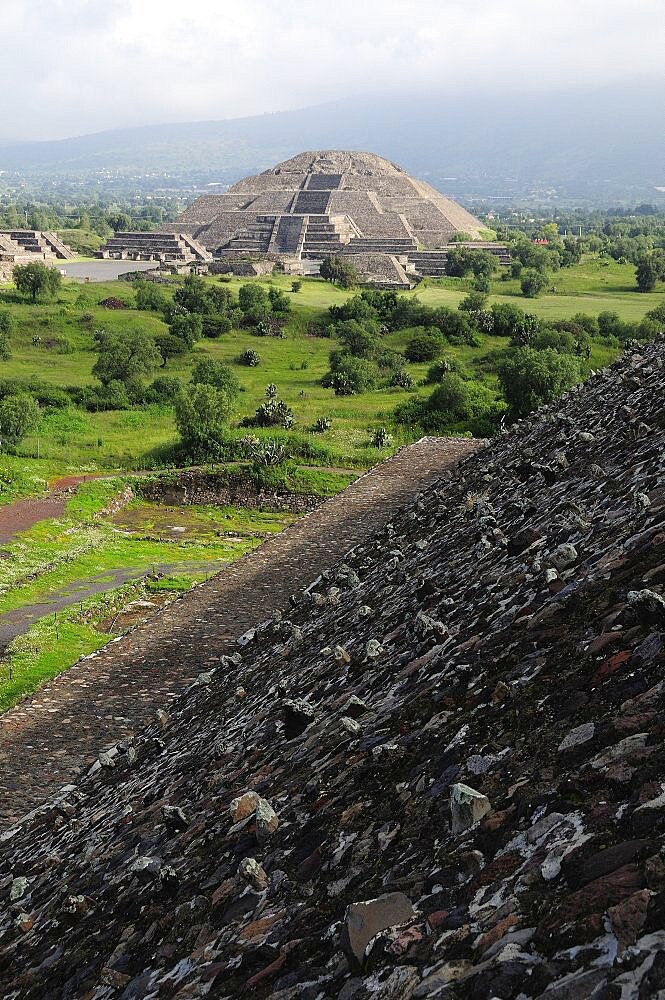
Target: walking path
<point>48,738</point>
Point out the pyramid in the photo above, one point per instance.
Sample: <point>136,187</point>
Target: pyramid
<point>327,201</point>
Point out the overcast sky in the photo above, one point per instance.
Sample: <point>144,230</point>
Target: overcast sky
<point>73,66</point>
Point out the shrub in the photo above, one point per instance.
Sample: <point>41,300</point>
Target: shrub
<point>164,389</point>
<point>436,372</point>
<point>296,285</point>
<point>215,325</point>
<point>201,415</point>
<point>531,378</point>
<point>322,424</point>
<point>381,438</point>
<point>19,415</point>
<point>402,379</point>
<point>186,326</point>
<point>424,347</point>
<point>254,303</point>
<point>149,297</point>
<point>533,283</point>
<point>113,303</point>
<point>455,405</point>
<point>252,359</point>
<point>208,371</point>
<point>359,338</point>
<point>349,376</point>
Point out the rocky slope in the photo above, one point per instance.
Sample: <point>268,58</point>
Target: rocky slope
<point>441,775</point>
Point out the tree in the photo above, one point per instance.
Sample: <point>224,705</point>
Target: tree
<point>207,371</point>
<point>119,222</point>
<point>187,326</point>
<point>124,356</point>
<point>280,303</point>
<point>150,296</point>
<point>339,271</point>
<point>533,282</point>
<point>531,378</point>
<point>650,269</point>
<point>19,415</point>
<point>170,347</point>
<point>36,279</point>
<point>193,295</point>
<point>254,303</point>
<point>201,416</point>
<point>359,338</point>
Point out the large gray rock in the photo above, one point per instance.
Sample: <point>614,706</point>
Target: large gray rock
<point>467,807</point>
<point>365,920</point>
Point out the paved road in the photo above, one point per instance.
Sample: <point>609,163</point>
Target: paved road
<point>59,730</point>
<point>104,270</point>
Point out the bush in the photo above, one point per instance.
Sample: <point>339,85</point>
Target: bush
<point>402,379</point>
<point>322,424</point>
<point>149,297</point>
<point>187,327</point>
<point>381,438</point>
<point>201,416</point>
<point>164,389</point>
<point>19,415</point>
<point>215,325</point>
<point>531,378</point>
<point>254,304</point>
<point>533,283</point>
<point>455,405</point>
<point>349,376</point>
<point>359,338</point>
<point>113,303</point>
<point>296,285</point>
<point>424,347</point>
<point>436,372</point>
<point>125,355</point>
<point>207,371</point>
<point>252,359</point>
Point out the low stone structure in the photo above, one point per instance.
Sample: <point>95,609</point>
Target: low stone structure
<point>22,246</point>
<point>164,247</point>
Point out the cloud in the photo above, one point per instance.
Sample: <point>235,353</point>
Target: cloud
<point>75,66</point>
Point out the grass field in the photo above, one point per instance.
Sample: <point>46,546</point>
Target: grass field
<point>131,439</point>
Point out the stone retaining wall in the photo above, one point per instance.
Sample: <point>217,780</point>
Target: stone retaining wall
<point>208,488</point>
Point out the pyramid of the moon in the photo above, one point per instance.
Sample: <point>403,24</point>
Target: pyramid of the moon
<point>327,202</point>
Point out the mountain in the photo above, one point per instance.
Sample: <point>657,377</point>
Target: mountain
<point>601,145</point>
<point>439,775</point>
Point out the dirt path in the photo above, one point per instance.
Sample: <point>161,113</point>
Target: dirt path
<point>22,514</point>
<point>60,729</point>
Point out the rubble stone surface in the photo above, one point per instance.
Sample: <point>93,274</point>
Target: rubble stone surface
<point>485,672</point>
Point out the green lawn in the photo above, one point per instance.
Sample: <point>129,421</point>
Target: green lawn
<point>128,440</point>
